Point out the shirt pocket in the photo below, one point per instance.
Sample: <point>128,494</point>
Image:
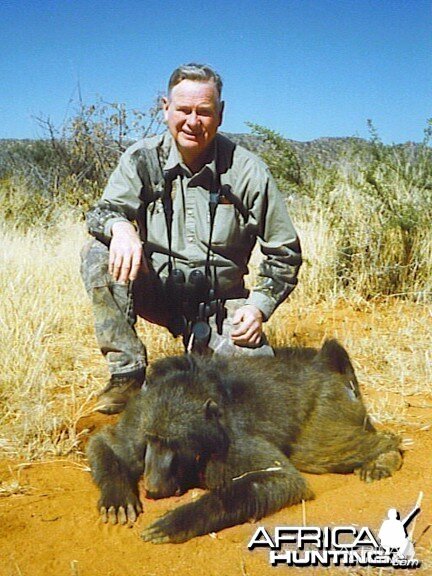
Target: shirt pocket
<point>156,224</point>
<point>226,229</point>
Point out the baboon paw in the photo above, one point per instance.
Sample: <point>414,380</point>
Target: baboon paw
<point>120,514</point>
<point>167,529</point>
<point>155,534</point>
<point>381,467</point>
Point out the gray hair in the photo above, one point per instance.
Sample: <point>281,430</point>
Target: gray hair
<point>197,73</point>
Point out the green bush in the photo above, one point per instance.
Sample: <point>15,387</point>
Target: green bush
<point>280,157</point>
<point>374,202</point>
<point>69,168</point>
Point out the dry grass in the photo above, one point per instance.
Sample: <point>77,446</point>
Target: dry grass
<point>51,367</point>
<point>49,361</point>
<point>12,485</point>
<point>45,339</point>
<point>354,249</point>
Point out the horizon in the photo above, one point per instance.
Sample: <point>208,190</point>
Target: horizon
<point>319,138</point>
<point>305,69</point>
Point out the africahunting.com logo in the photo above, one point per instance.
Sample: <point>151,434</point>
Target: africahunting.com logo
<point>342,545</point>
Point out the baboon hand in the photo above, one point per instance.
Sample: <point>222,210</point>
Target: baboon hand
<point>120,514</point>
<point>156,534</point>
<point>177,526</point>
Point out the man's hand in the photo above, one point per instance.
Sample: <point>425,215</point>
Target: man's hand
<point>247,330</point>
<point>125,253</point>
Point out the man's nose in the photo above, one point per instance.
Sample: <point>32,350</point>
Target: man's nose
<point>193,120</point>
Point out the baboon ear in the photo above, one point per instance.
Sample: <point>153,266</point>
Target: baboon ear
<point>172,364</point>
<point>212,409</point>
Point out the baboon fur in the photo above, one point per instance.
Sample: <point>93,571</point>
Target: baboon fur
<point>243,428</point>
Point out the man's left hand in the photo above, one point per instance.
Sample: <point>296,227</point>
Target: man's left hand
<point>247,330</point>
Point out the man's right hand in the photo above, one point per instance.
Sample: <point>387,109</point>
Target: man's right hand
<point>125,253</point>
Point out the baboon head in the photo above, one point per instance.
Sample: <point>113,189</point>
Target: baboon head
<point>182,424</point>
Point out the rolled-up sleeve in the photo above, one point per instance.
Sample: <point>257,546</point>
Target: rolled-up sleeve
<point>279,245</point>
<point>120,200</point>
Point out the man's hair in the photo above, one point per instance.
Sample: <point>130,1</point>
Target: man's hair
<point>197,73</point>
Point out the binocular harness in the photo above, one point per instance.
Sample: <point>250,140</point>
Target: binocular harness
<point>192,301</point>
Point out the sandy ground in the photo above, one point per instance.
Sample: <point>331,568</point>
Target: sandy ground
<point>50,527</point>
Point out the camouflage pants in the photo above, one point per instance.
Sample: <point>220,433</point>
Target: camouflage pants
<point>116,306</point>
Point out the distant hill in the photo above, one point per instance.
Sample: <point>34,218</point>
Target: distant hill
<point>328,151</point>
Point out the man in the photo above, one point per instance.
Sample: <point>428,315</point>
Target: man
<point>174,233</point>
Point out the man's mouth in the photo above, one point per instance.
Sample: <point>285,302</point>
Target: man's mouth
<point>191,135</point>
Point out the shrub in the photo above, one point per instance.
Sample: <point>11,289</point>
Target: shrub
<point>69,168</point>
<point>369,211</point>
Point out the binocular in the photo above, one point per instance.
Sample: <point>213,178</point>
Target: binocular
<point>194,302</point>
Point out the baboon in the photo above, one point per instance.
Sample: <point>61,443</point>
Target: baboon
<point>243,428</point>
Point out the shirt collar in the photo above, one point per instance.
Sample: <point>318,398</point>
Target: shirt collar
<point>174,161</point>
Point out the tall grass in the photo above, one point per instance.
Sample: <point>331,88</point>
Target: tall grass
<point>352,248</point>
<point>367,210</point>
<point>45,340</point>
<point>50,366</point>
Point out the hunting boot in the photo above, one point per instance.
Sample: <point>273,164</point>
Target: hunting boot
<point>121,387</point>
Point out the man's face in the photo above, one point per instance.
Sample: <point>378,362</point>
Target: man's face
<point>193,113</point>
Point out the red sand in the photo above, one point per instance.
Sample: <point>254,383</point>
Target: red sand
<point>53,529</point>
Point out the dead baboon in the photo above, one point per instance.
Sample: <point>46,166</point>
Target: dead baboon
<point>243,428</point>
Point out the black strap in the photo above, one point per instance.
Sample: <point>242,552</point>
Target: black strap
<point>213,204</point>
<point>152,180</point>
<point>168,211</point>
<point>159,183</point>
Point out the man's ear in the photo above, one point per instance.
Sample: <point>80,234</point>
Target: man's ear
<point>165,106</point>
<point>221,111</point>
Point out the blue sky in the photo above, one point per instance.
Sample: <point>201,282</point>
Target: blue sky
<point>305,68</point>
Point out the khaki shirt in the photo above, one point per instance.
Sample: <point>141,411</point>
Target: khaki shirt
<point>250,208</point>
